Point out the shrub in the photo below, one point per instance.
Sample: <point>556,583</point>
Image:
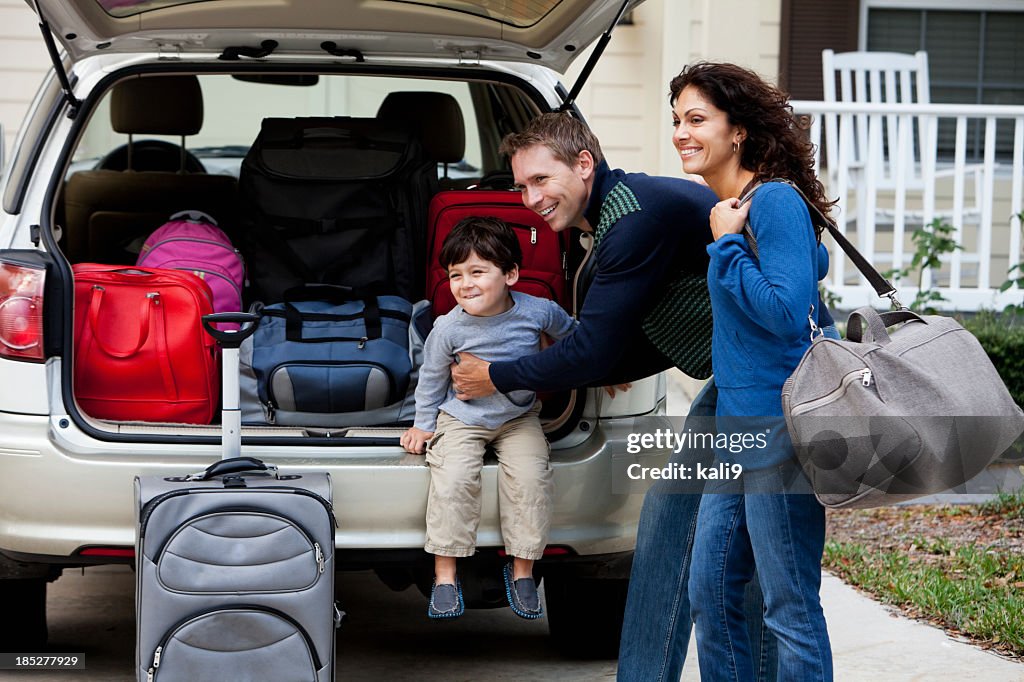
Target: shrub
<point>1002,337</point>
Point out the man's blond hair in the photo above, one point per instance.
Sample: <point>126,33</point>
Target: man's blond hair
<point>562,133</point>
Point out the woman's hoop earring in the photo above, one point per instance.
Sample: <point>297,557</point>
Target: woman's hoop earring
<point>735,147</point>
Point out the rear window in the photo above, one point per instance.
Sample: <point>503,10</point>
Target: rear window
<point>234,109</point>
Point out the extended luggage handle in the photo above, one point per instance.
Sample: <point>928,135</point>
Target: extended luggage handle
<point>876,323</point>
<point>231,341</point>
<point>331,293</point>
<point>231,338</point>
<point>233,465</point>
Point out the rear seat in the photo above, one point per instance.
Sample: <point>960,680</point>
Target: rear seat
<point>436,119</point>
<point>107,211</point>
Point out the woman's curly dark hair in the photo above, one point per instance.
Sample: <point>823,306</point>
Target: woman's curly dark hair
<point>776,146</point>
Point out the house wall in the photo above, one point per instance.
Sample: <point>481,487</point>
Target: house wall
<point>23,61</point>
<point>625,100</point>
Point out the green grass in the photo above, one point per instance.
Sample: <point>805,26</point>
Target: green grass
<point>1007,505</point>
<point>971,590</point>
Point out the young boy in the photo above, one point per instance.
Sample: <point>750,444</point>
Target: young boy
<point>482,257</point>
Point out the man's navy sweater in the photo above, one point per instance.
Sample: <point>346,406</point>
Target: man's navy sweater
<point>653,228</point>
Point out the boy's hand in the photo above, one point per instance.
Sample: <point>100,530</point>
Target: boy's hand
<point>415,440</point>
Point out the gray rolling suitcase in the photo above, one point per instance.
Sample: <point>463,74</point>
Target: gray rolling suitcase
<point>235,565</point>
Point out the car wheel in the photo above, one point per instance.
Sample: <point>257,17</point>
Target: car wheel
<point>585,614</point>
<point>23,624</point>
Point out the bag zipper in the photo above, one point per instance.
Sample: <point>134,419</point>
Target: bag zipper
<point>495,208</point>
<point>147,509</point>
<point>194,240</point>
<point>332,317</point>
<point>215,273</point>
<point>154,668</point>
<point>863,374</point>
<point>222,245</point>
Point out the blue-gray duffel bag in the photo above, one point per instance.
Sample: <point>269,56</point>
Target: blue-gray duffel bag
<point>321,358</point>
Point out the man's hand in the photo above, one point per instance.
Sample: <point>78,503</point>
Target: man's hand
<point>471,377</point>
<point>610,390</point>
<point>728,217</point>
<point>415,440</point>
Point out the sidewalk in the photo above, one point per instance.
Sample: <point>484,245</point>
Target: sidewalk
<point>869,640</point>
<point>872,642</point>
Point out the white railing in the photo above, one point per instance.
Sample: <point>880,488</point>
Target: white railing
<point>884,164</point>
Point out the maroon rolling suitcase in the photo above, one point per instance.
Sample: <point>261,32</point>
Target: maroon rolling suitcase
<point>543,273</point>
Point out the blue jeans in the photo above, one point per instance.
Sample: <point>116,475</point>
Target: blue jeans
<point>656,629</point>
<point>779,539</point>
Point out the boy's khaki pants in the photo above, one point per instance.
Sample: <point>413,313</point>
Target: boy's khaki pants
<point>525,485</point>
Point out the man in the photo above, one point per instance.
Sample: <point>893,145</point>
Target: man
<point>646,309</point>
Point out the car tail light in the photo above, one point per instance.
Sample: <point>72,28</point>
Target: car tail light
<point>21,312</point>
<point>115,552</point>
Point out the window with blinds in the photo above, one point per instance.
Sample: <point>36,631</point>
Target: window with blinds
<point>974,57</point>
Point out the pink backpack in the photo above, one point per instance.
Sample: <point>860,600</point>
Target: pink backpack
<point>191,241</point>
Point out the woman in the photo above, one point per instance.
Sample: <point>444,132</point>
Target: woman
<point>738,133</point>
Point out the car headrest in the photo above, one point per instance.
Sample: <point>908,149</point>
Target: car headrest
<point>158,105</point>
<point>435,118</point>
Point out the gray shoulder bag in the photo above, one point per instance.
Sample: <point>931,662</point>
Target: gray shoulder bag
<point>886,415</point>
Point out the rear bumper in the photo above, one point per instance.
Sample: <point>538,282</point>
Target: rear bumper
<point>613,565</point>
<point>61,490</point>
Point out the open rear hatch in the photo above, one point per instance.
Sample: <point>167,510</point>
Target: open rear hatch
<point>549,32</point>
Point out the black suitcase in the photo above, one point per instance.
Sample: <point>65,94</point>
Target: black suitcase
<point>334,201</point>
<point>235,564</point>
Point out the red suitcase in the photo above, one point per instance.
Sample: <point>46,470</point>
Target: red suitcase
<point>140,350</point>
<point>543,271</point>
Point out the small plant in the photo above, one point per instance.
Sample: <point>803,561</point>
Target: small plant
<point>829,298</point>
<point>1015,278</point>
<point>930,242</point>
<point>1006,504</point>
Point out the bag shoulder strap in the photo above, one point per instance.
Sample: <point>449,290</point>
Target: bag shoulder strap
<point>880,284</point>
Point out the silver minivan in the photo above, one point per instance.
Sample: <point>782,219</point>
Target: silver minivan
<point>66,477</point>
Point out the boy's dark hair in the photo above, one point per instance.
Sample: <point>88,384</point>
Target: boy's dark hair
<point>492,239</point>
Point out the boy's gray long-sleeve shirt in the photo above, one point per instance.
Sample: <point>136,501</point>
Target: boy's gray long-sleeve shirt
<point>507,336</point>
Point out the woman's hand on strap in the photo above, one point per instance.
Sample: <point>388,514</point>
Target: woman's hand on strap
<point>728,217</point>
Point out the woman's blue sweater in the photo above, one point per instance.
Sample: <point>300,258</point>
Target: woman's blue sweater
<point>760,306</point>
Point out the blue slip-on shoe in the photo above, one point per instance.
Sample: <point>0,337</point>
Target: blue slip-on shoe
<point>522,595</point>
<point>446,601</point>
